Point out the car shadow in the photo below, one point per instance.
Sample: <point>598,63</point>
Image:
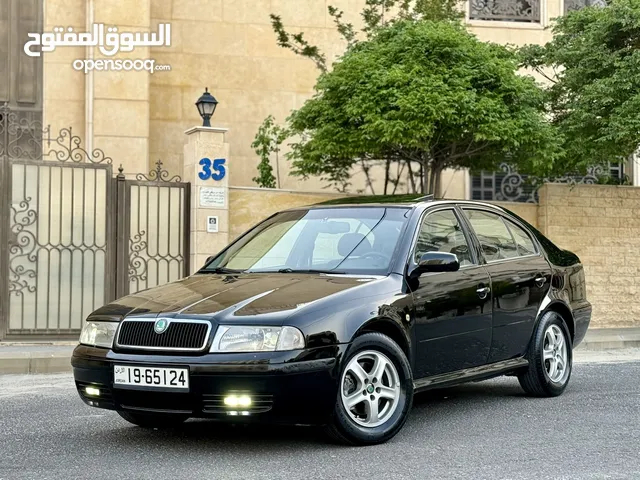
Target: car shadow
<point>475,392</point>
<point>207,435</point>
<point>201,435</point>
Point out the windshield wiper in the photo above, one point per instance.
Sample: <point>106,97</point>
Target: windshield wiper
<point>221,270</point>
<point>290,270</point>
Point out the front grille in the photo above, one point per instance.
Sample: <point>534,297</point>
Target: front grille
<point>179,335</point>
<point>215,404</point>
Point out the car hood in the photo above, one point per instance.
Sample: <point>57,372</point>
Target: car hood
<point>243,298</point>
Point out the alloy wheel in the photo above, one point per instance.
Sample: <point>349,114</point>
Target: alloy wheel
<point>554,354</point>
<point>370,388</point>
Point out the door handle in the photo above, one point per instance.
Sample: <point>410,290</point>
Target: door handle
<point>483,292</point>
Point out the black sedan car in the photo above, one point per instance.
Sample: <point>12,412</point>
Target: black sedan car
<point>336,315</point>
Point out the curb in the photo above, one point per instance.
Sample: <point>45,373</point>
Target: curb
<point>26,362</point>
<point>598,339</point>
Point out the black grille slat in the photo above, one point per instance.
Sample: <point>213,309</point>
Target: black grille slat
<point>181,335</point>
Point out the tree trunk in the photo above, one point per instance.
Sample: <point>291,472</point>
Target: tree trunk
<point>411,179</point>
<point>425,180</point>
<point>437,183</point>
<point>432,181</point>
<point>365,169</point>
<point>387,166</point>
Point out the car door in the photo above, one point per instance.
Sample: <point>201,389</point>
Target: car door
<point>452,309</point>
<point>520,279</point>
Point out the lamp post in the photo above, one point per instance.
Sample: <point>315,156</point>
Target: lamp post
<point>206,107</point>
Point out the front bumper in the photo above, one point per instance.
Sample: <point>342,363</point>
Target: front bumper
<point>286,387</point>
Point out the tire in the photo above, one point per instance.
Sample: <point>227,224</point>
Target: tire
<point>540,380</point>
<point>391,394</point>
<point>154,420</point>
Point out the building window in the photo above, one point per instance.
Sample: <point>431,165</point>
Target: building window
<point>505,10</point>
<point>21,75</point>
<point>570,5</point>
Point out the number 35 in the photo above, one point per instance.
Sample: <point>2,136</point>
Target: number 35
<point>215,169</point>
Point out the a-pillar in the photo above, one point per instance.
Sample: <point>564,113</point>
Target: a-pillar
<point>206,163</point>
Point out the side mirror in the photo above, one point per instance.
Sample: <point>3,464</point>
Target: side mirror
<point>432,262</point>
<point>208,260</point>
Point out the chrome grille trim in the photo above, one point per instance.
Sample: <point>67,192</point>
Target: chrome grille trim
<point>207,335</point>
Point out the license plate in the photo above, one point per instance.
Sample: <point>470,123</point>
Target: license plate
<point>151,377</point>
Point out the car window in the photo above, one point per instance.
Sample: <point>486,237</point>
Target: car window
<point>327,244</point>
<point>347,240</point>
<point>494,236</point>
<point>523,239</point>
<point>441,232</point>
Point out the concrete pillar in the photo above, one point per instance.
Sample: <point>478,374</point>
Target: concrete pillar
<point>206,164</point>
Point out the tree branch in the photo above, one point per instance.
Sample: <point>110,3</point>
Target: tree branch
<point>297,43</point>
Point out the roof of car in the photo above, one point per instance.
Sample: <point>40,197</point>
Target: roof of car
<point>385,201</point>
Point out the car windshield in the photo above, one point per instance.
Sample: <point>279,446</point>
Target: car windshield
<point>333,240</point>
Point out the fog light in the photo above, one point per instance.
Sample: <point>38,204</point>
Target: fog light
<point>237,401</point>
<point>93,391</point>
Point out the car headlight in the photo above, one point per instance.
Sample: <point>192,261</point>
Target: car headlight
<point>98,334</point>
<point>257,339</point>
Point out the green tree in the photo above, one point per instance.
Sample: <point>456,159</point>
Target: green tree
<point>425,94</point>
<point>593,98</point>
<point>375,14</point>
<point>267,141</point>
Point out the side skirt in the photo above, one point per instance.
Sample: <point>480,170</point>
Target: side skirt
<point>470,374</point>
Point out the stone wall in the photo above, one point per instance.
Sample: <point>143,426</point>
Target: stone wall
<point>527,211</point>
<point>252,205</point>
<point>600,224</point>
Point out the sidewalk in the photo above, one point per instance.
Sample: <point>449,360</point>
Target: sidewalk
<point>55,357</point>
<point>24,358</point>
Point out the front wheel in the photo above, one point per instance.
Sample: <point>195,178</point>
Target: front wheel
<point>550,358</point>
<point>375,392</point>
<point>154,420</point>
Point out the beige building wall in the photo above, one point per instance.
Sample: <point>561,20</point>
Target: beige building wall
<point>228,46</point>
<point>252,205</point>
<point>600,224</point>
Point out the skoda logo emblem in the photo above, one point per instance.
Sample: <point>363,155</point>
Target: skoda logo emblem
<point>161,326</point>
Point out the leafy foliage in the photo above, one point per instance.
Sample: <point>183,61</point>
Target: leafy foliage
<point>375,14</point>
<point>267,141</point>
<point>427,94</point>
<point>592,65</point>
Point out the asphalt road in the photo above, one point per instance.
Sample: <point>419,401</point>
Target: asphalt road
<point>482,430</point>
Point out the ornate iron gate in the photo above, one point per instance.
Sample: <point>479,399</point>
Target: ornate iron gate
<point>72,237</point>
<point>155,223</point>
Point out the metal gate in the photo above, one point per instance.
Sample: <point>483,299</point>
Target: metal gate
<point>72,237</point>
<point>154,225</point>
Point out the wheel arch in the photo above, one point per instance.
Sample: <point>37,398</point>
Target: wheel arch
<point>391,329</point>
<point>564,311</point>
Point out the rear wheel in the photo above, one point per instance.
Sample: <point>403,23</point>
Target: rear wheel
<point>375,392</point>
<point>154,420</point>
<point>550,358</point>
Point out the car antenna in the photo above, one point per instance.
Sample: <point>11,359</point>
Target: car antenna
<point>426,198</point>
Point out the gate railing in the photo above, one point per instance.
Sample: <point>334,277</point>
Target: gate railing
<point>155,228</point>
<point>73,237</point>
